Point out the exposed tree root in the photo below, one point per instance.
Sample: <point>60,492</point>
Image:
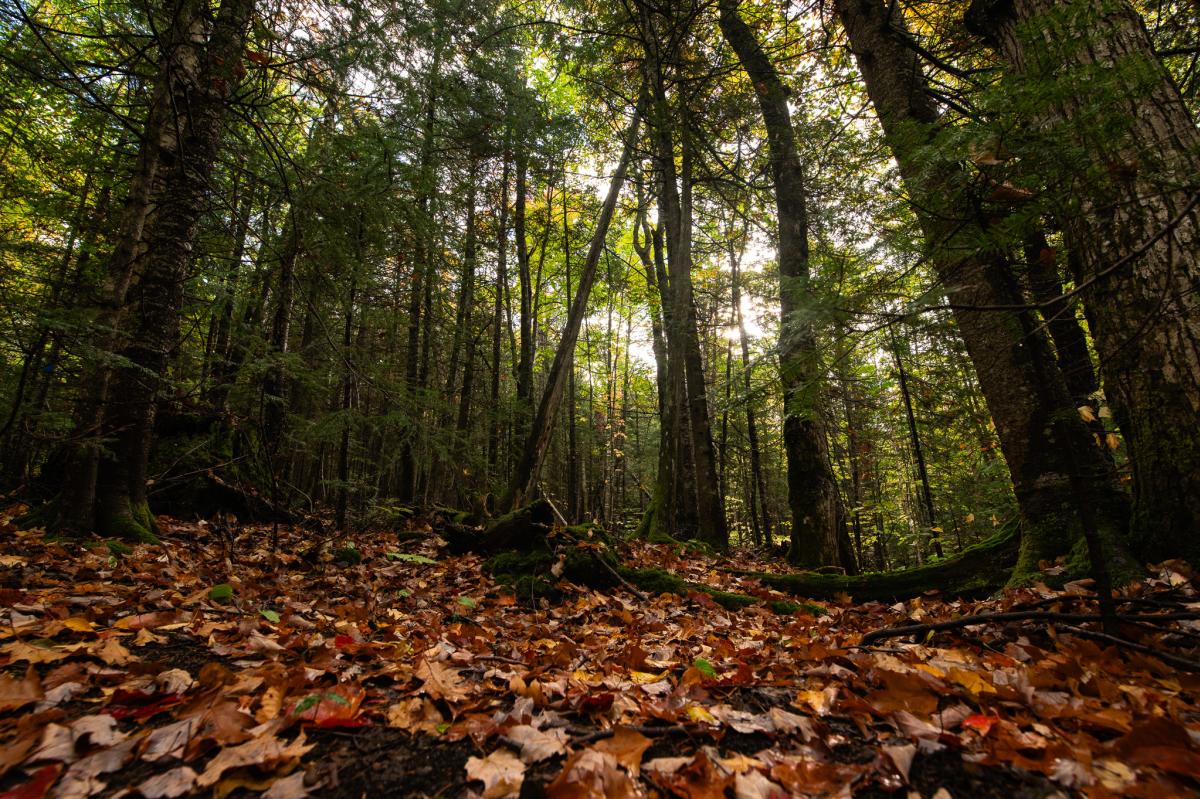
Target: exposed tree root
<point>979,569</point>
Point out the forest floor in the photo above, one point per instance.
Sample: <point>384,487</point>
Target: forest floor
<point>211,666</point>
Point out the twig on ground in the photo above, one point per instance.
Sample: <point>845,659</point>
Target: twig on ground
<point>1025,615</point>
<point>1165,657</point>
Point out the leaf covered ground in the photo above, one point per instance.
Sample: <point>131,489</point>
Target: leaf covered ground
<point>210,666</point>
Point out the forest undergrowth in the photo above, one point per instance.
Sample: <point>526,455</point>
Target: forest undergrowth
<point>232,660</point>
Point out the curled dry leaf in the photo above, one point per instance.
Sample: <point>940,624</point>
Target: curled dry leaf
<point>592,773</point>
<point>170,784</point>
<point>266,751</point>
<point>537,745</point>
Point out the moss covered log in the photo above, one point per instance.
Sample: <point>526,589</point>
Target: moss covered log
<point>537,573</point>
<point>978,569</point>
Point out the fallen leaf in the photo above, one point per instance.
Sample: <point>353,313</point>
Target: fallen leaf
<point>627,747</point>
<point>266,750</point>
<point>440,682</point>
<point>290,787</point>
<point>37,786</point>
<point>17,693</point>
<point>592,774</point>
<point>537,745</point>
<point>501,773</point>
<point>169,784</point>
<point>753,785</point>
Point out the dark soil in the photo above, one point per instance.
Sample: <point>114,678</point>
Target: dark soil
<point>382,761</point>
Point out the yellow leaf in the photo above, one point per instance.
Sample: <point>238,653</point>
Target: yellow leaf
<point>699,714</point>
<point>1086,413</point>
<point>645,677</point>
<point>971,681</point>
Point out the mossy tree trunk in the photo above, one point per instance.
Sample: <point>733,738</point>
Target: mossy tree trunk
<point>818,517</point>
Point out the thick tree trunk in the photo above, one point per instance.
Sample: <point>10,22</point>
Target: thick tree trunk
<point>525,477</point>
<point>817,513</point>
<point>178,62</point>
<point>1132,219</point>
<point>197,82</point>
<point>1049,452</point>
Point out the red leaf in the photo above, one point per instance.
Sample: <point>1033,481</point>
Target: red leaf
<point>597,703</point>
<point>980,723</point>
<point>38,786</point>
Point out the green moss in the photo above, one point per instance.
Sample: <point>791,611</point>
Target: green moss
<point>726,599</point>
<point>118,548</point>
<point>527,573</point>
<point>656,581</point>
<point>134,523</point>
<point>786,608</point>
<point>348,554</point>
<point>980,568</point>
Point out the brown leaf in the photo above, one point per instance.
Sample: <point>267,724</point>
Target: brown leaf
<point>627,746</point>
<point>112,651</point>
<point>698,779</point>
<point>593,774</point>
<point>16,693</point>
<point>537,745</point>
<point>753,785</point>
<point>83,777</point>
<point>417,714</point>
<point>266,750</point>
<point>169,784</point>
<point>171,740</point>
<point>440,682</point>
<point>501,773</point>
<point>290,787</point>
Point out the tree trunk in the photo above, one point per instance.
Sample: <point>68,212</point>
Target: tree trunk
<point>178,61</point>
<point>918,453</point>
<point>1036,422</point>
<point>524,483</point>
<point>1132,218</point>
<point>199,80</point>
<point>817,513</point>
<point>498,319</point>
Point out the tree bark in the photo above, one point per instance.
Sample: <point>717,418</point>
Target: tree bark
<point>1045,445</point>
<point>196,83</point>
<point>818,518</point>
<point>525,477</point>
<point>1116,121</point>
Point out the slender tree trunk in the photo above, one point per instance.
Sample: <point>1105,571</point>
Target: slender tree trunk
<point>343,468</point>
<point>524,484</point>
<point>918,452</point>
<point>498,320</point>
<point>220,375</point>
<point>574,501</point>
<point>466,307</point>
<point>817,513</point>
<point>1035,420</point>
<point>525,359</point>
